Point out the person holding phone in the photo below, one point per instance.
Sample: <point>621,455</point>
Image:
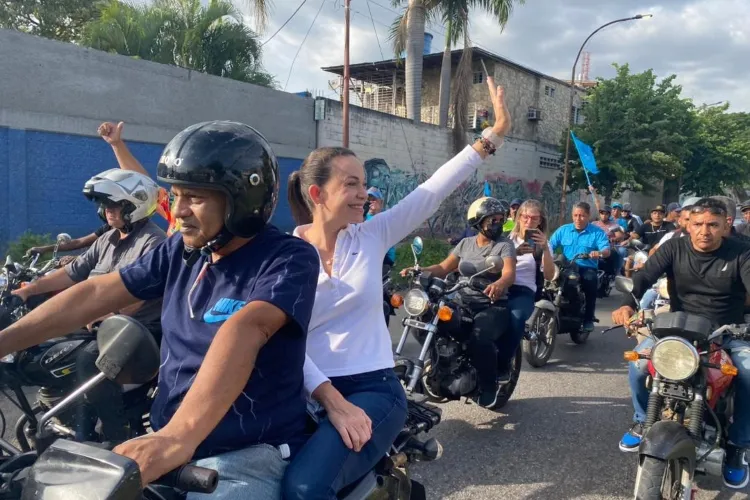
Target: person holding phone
<point>534,264</point>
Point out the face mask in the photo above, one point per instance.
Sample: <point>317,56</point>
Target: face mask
<point>493,230</point>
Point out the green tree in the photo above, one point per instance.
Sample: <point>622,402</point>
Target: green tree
<point>721,153</point>
<point>58,19</point>
<point>640,130</point>
<point>209,38</point>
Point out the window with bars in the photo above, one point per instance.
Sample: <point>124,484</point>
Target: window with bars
<point>549,91</point>
<point>478,77</point>
<point>549,162</point>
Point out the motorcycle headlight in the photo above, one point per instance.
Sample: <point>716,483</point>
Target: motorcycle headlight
<point>661,287</point>
<point>675,358</point>
<point>416,302</point>
<point>10,358</point>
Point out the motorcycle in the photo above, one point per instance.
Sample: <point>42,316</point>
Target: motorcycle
<point>443,370</point>
<point>690,403</point>
<point>391,301</point>
<point>559,311</point>
<point>637,257</point>
<point>66,469</point>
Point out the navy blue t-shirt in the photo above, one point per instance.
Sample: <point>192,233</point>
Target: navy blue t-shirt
<point>273,267</point>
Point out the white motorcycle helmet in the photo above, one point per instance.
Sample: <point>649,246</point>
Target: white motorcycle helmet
<point>137,194</point>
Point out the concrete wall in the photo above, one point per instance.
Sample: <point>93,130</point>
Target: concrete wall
<point>398,155</point>
<point>54,95</point>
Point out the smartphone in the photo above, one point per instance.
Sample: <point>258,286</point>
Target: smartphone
<point>528,236</point>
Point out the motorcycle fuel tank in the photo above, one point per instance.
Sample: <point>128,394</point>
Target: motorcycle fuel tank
<point>51,364</point>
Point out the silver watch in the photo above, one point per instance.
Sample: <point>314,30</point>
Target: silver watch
<point>492,137</point>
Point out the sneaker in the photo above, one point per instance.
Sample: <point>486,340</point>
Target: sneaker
<point>736,471</point>
<point>588,326</point>
<point>487,399</point>
<point>631,440</point>
<point>503,377</point>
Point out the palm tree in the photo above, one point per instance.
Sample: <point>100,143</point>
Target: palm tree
<point>454,15</point>
<point>210,38</point>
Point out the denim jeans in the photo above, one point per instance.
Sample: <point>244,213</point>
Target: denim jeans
<point>648,301</point>
<point>254,472</point>
<point>739,431</point>
<point>521,305</point>
<point>325,465</point>
<point>622,253</point>
<point>589,284</point>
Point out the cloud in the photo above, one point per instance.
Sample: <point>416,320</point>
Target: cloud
<point>705,42</point>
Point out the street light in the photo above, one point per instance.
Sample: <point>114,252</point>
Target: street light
<point>570,106</point>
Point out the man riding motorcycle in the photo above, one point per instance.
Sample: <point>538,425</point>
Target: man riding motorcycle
<point>616,234</point>
<point>238,294</point>
<point>492,318</point>
<point>708,275</point>
<point>126,202</point>
<point>582,237</point>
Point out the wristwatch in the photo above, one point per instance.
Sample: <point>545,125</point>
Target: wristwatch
<point>492,137</point>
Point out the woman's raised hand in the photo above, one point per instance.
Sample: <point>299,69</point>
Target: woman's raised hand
<point>502,115</point>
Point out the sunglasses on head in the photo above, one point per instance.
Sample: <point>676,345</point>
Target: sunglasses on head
<point>712,209</point>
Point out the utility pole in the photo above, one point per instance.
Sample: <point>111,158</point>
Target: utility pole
<point>346,74</point>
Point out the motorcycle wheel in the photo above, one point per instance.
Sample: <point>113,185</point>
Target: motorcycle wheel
<point>506,391</point>
<point>658,479</point>
<point>537,352</point>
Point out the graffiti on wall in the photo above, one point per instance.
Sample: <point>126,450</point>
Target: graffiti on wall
<point>395,184</point>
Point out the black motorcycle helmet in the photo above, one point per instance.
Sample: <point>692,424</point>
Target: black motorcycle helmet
<point>230,157</point>
<point>486,207</point>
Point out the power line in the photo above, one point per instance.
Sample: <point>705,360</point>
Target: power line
<point>285,22</point>
<point>303,42</point>
<point>373,29</point>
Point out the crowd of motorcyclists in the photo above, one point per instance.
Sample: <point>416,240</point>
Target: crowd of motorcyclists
<point>256,326</point>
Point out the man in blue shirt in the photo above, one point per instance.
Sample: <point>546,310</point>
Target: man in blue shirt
<point>582,237</point>
<point>237,299</point>
<point>375,198</point>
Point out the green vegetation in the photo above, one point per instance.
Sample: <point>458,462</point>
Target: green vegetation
<point>17,249</point>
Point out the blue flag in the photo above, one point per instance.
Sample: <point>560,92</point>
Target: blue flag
<point>586,154</point>
<point>487,189</point>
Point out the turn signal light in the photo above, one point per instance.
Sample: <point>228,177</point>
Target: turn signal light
<point>445,313</point>
<point>730,370</point>
<point>631,356</point>
<point>397,300</point>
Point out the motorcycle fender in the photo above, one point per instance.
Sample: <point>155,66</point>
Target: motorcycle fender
<point>546,305</point>
<point>668,440</point>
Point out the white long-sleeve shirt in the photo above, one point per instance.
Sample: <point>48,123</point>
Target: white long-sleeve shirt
<point>347,334</point>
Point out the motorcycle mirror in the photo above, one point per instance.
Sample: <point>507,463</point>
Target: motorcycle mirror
<point>63,238</point>
<point>466,268</point>
<point>68,469</point>
<point>417,246</point>
<point>128,353</point>
<point>637,244</point>
<point>623,284</point>
<point>494,263</point>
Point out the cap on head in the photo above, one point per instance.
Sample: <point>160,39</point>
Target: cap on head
<point>626,207</point>
<point>659,208</point>
<point>375,193</point>
<point>232,158</point>
<point>606,208</point>
<point>516,202</point>
<point>745,206</point>
<point>617,205</point>
<point>673,207</point>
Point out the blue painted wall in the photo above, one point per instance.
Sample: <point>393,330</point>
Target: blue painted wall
<point>42,175</point>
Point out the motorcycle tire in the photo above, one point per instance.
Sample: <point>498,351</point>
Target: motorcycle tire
<point>506,391</point>
<point>545,324</point>
<point>652,479</point>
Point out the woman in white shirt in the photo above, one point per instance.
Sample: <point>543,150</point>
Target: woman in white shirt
<point>349,369</point>
<point>530,259</point>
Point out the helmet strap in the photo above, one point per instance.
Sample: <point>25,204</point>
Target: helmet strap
<point>190,255</point>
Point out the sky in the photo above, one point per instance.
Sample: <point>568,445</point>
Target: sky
<point>706,43</point>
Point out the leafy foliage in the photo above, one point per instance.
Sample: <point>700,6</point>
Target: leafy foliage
<point>17,249</point>
<point>61,20</point>
<point>209,38</point>
<point>434,252</point>
<point>641,132</point>
<point>721,152</point>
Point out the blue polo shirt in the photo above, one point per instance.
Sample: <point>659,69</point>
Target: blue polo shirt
<point>574,242</point>
<point>273,267</point>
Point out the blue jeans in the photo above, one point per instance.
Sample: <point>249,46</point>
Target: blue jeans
<point>254,472</point>
<point>521,305</point>
<point>622,253</point>
<point>648,301</point>
<point>325,465</point>
<point>739,431</point>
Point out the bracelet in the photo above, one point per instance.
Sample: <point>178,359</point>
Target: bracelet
<point>491,136</point>
<point>488,147</point>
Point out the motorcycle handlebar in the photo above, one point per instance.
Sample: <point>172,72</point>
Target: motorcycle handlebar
<point>191,479</point>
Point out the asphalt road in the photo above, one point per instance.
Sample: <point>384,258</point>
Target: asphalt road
<point>556,438</point>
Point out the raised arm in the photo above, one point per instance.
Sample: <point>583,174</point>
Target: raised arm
<point>112,134</point>
<point>392,225</point>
